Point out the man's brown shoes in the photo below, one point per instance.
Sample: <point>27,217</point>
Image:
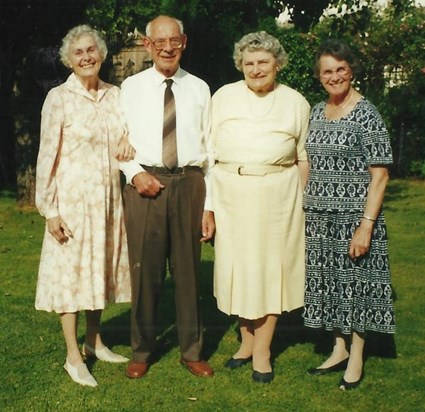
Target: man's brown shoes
<point>198,368</point>
<point>137,369</point>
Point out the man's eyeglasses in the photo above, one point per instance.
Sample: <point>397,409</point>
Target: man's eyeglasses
<point>161,44</point>
<point>340,71</point>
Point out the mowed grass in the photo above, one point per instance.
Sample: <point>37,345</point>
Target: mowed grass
<point>32,350</point>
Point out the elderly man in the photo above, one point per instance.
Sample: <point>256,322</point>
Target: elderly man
<point>167,202</point>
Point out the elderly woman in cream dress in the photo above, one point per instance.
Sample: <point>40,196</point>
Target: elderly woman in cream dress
<point>259,129</point>
<point>84,260</point>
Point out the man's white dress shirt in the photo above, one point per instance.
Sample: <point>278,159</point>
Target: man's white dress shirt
<point>142,103</point>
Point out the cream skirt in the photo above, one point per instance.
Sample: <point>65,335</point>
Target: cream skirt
<point>259,244</point>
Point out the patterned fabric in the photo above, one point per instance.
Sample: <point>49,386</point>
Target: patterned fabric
<point>341,293</point>
<point>340,152</point>
<point>169,143</point>
<point>78,178</point>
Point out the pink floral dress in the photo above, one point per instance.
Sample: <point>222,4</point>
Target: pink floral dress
<point>78,178</point>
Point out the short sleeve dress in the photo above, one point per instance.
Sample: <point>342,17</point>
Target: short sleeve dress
<point>341,293</point>
<point>78,178</point>
<point>259,242</point>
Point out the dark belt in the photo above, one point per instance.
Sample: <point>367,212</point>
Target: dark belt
<point>158,170</point>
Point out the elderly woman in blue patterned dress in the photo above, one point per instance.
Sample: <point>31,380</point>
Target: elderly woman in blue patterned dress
<point>347,288</point>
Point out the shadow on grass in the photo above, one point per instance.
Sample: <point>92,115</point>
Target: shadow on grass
<point>380,345</point>
<point>289,332</point>
<point>215,323</point>
<point>290,329</point>
<point>116,331</point>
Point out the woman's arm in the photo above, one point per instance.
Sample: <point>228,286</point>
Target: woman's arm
<point>46,198</point>
<point>125,151</point>
<point>303,168</point>
<point>360,243</point>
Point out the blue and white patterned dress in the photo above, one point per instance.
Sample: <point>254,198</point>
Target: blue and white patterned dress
<point>341,293</point>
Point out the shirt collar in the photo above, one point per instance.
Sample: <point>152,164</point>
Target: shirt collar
<point>159,78</point>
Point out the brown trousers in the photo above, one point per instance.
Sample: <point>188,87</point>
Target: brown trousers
<point>161,229</point>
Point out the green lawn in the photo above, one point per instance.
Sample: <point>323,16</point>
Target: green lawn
<point>32,349</point>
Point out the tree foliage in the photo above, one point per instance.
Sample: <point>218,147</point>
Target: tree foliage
<point>212,28</point>
<point>390,45</point>
<point>387,42</point>
<point>305,13</point>
<point>27,29</point>
<point>300,48</point>
<point>117,18</point>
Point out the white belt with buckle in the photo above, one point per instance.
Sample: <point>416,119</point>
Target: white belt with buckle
<point>252,170</point>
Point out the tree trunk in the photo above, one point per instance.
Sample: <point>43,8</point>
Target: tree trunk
<point>26,149</point>
<point>26,187</point>
<point>400,153</point>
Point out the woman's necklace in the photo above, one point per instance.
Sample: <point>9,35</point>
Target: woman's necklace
<point>348,100</point>
<point>260,101</point>
<point>334,112</point>
<point>345,103</point>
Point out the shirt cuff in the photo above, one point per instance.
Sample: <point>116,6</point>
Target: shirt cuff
<point>130,169</point>
<point>208,204</point>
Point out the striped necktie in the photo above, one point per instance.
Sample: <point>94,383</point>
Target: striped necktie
<point>169,143</point>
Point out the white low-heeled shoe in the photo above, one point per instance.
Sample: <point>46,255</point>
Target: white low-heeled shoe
<point>103,354</point>
<point>80,374</point>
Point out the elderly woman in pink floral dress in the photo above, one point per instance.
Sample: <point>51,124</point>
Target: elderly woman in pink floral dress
<point>84,260</point>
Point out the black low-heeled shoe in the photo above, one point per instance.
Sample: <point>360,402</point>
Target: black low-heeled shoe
<point>324,371</point>
<point>346,386</point>
<point>261,377</point>
<point>233,363</point>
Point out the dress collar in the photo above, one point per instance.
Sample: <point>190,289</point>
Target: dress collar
<point>73,84</point>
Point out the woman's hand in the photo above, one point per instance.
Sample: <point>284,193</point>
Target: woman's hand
<point>125,151</point>
<point>208,226</point>
<point>59,229</point>
<point>360,242</point>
